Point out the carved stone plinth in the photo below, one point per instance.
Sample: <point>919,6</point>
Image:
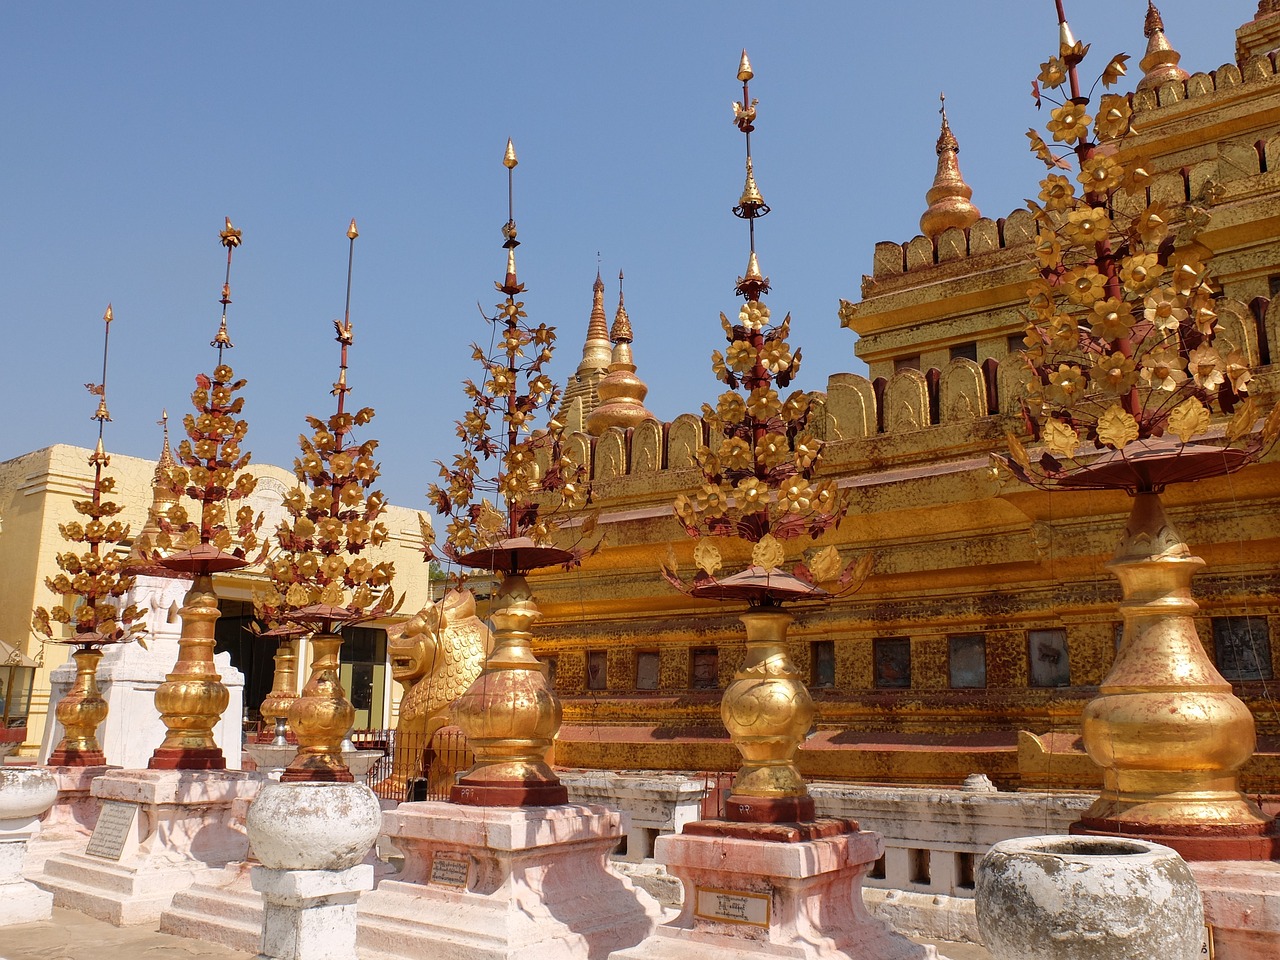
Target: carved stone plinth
<point>1242,907</point>
<point>500,883</point>
<point>310,914</point>
<point>796,893</point>
<point>174,827</point>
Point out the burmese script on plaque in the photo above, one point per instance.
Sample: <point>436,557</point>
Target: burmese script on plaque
<point>111,832</point>
<point>732,906</point>
<point>450,869</point>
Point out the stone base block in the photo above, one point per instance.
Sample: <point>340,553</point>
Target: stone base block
<point>494,883</point>
<point>929,916</point>
<point>221,907</point>
<point>310,914</point>
<point>24,902</point>
<point>748,898</point>
<point>1242,905</point>
<point>69,823</point>
<point>186,825</point>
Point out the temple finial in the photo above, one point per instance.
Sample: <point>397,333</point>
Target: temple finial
<point>511,285</point>
<point>621,393</point>
<point>1160,63</point>
<point>949,196</point>
<point>751,205</point>
<point>621,332</point>
<point>230,238</point>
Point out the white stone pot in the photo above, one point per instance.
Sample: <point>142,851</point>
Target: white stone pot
<point>25,793</point>
<point>1088,898</point>
<point>313,826</point>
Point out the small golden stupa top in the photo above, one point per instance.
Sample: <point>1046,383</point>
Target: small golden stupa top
<point>621,332</point>
<point>597,325</point>
<point>164,496</point>
<point>1160,64</point>
<point>621,392</point>
<point>948,198</point>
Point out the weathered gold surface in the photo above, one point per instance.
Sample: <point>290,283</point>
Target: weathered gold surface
<point>284,682</point>
<point>435,655</point>
<point>192,698</point>
<point>509,714</point>
<point>81,712</point>
<point>1166,729</point>
<point>767,710</point>
<point>1160,63</point>
<point>321,717</point>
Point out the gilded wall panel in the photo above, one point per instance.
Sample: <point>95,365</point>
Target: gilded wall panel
<point>674,668</point>
<point>1007,664</point>
<point>929,663</point>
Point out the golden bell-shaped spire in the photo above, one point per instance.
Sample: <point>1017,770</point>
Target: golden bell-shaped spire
<point>1160,64</point>
<point>509,157</point>
<point>744,68</point>
<point>948,198</point>
<point>164,497</point>
<point>751,196</point>
<point>621,392</point>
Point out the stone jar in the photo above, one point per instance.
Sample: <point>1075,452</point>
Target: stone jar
<point>25,793</point>
<point>1088,898</point>
<point>313,826</point>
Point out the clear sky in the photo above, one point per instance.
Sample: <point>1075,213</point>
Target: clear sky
<point>131,129</point>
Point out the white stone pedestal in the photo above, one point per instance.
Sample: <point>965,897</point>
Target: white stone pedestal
<point>180,826</point>
<point>495,883</point>
<point>129,674</point>
<point>310,914</point>
<point>24,795</point>
<point>654,805</point>
<point>748,898</point>
<point>69,823</point>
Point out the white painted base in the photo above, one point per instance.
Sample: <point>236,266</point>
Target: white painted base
<point>23,902</point>
<point>310,914</point>
<point>1242,904</point>
<point>929,916</point>
<point>492,883</point>
<point>746,899</point>
<point>189,825</point>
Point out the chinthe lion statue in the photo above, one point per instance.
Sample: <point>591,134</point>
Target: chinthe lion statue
<point>435,655</point>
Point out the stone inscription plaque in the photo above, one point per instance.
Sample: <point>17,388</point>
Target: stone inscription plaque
<point>111,832</point>
<point>732,906</point>
<point>450,869</point>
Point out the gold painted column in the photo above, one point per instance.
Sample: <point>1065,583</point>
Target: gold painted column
<point>1166,729</point>
<point>193,698</point>
<point>81,712</point>
<point>284,687</point>
<point>509,714</point>
<point>321,717</point>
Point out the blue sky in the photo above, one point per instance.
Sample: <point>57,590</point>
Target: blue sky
<point>132,129</point>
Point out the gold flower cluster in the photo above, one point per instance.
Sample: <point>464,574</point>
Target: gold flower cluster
<point>502,454</point>
<point>333,517</point>
<point>1120,344</point>
<point>758,470</point>
<point>95,577</point>
<point>211,471</point>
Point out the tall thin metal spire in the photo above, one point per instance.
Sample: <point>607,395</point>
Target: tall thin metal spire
<point>751,205</point>
<point>229,237</point>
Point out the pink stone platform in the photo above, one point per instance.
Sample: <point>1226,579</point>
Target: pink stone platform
<point>1242,906</point>
<point>503,883</point>
<point>186,824</point>
<point>747,898</point>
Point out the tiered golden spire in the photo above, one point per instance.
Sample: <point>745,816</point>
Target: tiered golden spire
<point>1160,64</point>
<point>164,496</point>
<point>621,392</point>
<point>948,198</point>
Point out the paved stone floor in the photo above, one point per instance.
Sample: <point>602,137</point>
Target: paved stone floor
<point>73,936</point>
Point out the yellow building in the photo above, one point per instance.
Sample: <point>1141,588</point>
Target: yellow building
<point>36,493</point>
<point>989,609</point>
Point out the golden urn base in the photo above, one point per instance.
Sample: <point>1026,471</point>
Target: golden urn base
<point>1166,728</point>
<point>509,714</point>
<point>81,712</point>
<point>320,718</point>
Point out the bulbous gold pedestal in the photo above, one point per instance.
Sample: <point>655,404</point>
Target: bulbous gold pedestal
<point>81,712</point>
<point>1167,731</point>
<point>320,718</point>
<point>284,688</point>
<point>193,698</point>
<point>509,714</point>
<point>768,711</point>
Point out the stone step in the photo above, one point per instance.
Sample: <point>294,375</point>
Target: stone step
<point>228,914</point>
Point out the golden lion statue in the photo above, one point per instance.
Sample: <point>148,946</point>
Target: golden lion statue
<point>435,655</point>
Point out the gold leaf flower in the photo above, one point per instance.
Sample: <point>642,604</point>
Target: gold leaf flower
<point>1116,428</point>
<point>1111,319</point>
<point>1236,369</point>
<point>741,356</point>
<point>1099,174</point>
<point>1066,385</point>
<point>1089,225</point>
<point>730,407</point>
<point>1115,373</point>
<point>1064,333</point>
<point>795,495</point>
<point>1084,285</point>
<point>1113,116</point>
<point>735,454</point>
<point>712,500</point>
<point>1058,437</point>
<point>1205,366</point>
<point>1069,123</point>
<point>707,556</point>
<point>763,403</point>
<point>1053,73</point>
<point>1114,70</point>
<point>1162,369</point>
<point>1139,273</point>
<point>825,565</point>
<point>1189,419</point>
<point>1164,309</point>
<point>768,553</point>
